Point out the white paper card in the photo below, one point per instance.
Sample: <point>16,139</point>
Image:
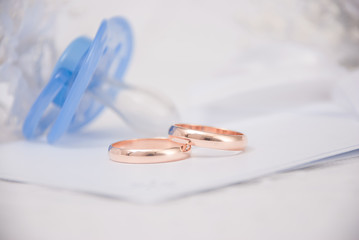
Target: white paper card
<point>276,142</point>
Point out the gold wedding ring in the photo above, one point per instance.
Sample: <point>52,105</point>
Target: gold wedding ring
<point>148,150</point>
<point>208,137</point>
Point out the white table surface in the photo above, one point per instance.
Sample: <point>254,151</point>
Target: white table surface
<point>314,203</point>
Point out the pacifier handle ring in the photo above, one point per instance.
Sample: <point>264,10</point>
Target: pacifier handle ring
<point>40,105</point>
<point>61,75</point>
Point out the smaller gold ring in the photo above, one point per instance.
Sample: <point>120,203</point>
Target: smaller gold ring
<point>208,137</point>
<point>148,150</point>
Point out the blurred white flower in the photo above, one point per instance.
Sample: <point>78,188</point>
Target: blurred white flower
<point>27,55</point>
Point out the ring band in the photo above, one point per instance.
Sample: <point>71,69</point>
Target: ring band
<point>208,137</point>
<point>148,150</point>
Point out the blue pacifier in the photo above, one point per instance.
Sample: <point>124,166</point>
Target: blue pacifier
<point>87,77</point>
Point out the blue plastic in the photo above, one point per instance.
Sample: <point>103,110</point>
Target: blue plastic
<point>83,66</point>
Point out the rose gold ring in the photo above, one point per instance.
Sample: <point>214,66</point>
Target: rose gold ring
<point>208,137</point>
<point>148,150</point>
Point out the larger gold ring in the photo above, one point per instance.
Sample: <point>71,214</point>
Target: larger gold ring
<point>208,137</point>
<point>147,150</point>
